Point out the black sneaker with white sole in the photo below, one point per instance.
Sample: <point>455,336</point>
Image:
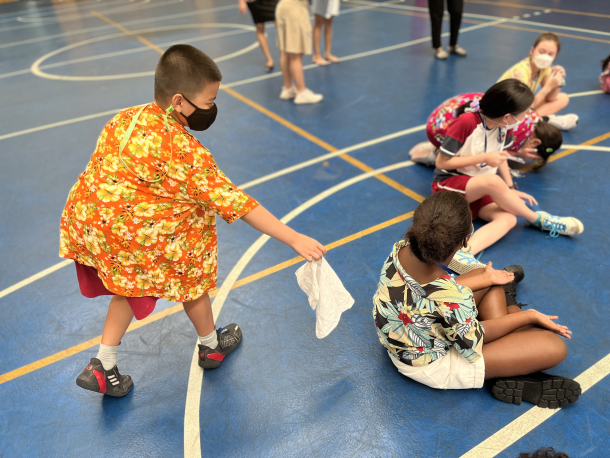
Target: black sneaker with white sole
<point>229,338</point>
<point>112,383</point>
<point>543,390</point>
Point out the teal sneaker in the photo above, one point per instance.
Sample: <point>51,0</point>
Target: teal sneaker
<point>558,225</point>
<point>464,262</point>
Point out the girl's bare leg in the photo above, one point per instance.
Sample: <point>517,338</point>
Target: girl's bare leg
<point>504,197</point>
<point>285,66</point>
<point>117,321</point>
<point>499,223</point>
<point>328,40</point>
<point>522,353</point>
<point>317,38</point>
<point>199,312</point>
<point>262,41</point>
<point>554,103</point>
<point>296,71</point>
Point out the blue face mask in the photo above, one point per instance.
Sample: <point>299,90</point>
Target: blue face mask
<point>201,119</point>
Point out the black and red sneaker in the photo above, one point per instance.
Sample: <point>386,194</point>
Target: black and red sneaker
<point>229,338</point>
<point>544,390</point>
<point>95,378</point>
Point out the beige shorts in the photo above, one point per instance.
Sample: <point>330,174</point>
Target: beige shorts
<point>451,372</point>
<point>293,26</point>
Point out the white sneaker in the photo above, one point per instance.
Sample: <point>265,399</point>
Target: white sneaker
<point>559,225</point>
<point>564,122</point>
<point>457,49</point>
<point>423,153</point>
<point>307,96</point>
<point>288,93</point>
<point>441,53</point>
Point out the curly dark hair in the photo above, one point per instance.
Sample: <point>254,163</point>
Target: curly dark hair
<point>545,452</point>
<point>440,224</point>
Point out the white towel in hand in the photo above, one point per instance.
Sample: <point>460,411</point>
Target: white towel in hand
<point>327,295</point>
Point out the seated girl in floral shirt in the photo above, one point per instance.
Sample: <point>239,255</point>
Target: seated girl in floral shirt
<point>455,332</point>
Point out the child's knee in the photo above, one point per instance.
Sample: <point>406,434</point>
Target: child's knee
<point>564,98</point>
<point>509,220</point>
<point>556,349</point>
<point>494,183</point>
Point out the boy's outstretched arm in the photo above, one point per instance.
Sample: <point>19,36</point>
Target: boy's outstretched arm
<point>262,220</point>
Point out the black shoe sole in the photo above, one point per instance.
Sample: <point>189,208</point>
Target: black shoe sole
<point>551,392</point>
<point>96,389</point>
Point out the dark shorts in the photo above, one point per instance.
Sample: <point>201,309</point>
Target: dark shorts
<point>91,285</point>
<point>458,184</point>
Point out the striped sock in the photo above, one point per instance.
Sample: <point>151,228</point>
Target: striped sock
<point>107,355</point>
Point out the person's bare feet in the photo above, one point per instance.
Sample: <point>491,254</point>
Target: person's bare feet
<point>319,60</point>
<point>331,58</point>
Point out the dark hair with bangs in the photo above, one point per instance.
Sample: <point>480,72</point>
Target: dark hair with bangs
<point>183,69</point>
<point>548,36</point>
<point>510,96</point>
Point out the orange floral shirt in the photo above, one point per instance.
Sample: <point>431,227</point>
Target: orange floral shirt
<point>150,239</point>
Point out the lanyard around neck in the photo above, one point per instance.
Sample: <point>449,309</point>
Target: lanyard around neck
<point>126,137</point>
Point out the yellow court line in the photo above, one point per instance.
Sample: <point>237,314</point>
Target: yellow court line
<point>565,153</point>
<point>543,8</point>
<point>312,138</point>
<point>176,308</point>
<point>123,29</point>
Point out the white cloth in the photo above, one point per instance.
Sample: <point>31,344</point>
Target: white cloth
<point>327,295</point>
<point>326,8</point>
<point>451,372</point>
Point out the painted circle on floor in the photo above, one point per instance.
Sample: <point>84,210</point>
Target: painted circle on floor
<point>36,70</point>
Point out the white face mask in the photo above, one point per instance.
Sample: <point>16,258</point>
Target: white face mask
<point>542,60</point>
<point>514,125</point>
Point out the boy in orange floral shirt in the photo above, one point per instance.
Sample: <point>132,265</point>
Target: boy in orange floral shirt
<point>140,221</point>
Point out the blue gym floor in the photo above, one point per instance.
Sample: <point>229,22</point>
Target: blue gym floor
<point>284,392</point>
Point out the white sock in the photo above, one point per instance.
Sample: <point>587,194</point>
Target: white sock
<point>211,340</point>
<point>107,355</point>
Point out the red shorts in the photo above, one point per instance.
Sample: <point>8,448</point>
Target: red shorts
<point>458,184</point>
<point>91,285</point>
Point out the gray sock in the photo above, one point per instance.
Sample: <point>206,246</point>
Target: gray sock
<point>107,355</point>
<point>211,340</point>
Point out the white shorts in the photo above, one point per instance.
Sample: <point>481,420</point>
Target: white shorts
<point>451,372</point>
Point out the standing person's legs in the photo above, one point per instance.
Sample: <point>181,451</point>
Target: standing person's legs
<point>317,41</point>
<point>118,318</point>
<point>199,312</point>
<point>436,8</point>
<point>455,8</point>
<point>499,223</point>
<point>328,40</point>
<point>296,70</point>
<point>262,41</point>
<point>285,66</point>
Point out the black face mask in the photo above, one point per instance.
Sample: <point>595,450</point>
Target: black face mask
<point>201,119</point>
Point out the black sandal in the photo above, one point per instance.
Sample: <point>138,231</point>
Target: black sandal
<point>268,68</point>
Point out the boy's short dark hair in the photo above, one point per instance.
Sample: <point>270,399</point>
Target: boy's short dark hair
<point>184,69</point>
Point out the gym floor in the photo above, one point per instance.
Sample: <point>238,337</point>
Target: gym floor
<point>67,67</point>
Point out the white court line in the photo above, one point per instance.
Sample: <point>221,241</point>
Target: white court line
<point>52,18</point>
<point>192,431</point>
<point>36,68</point>
<point>33,278</point>
<point>534,417</point>
<point>249,184</point>
<point>581,94</point>
<point>27,26</point>
<point>587,147</point>
<point>366,53</point>
<point>128,23</point>
<point>134,51</point>
<point>486,16</point>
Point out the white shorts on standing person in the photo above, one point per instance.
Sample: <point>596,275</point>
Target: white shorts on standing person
<point>324,12</point>
<point>455,8</point>
<point>294,40</point>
